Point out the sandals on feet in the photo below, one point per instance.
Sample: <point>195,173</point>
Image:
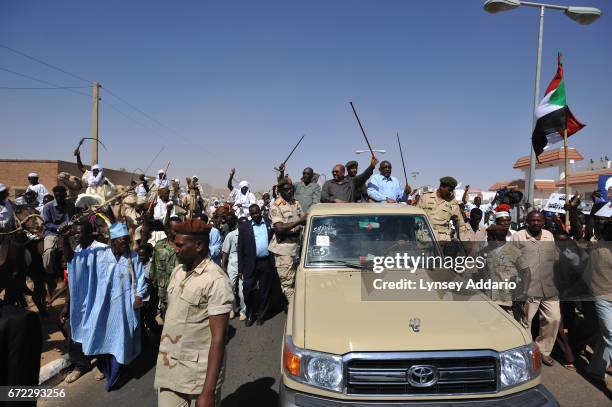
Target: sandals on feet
<point>73,376</point>
<point>548,361</point>
<point>569,366</point>
<point>98,375</point>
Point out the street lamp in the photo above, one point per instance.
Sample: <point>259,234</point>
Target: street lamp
<point>582,15</point>
<point>367,151</point>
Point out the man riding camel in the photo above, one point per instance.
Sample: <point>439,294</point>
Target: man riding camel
<point>97,183</point>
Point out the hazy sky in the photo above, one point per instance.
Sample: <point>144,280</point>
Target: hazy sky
<point>235,83</point>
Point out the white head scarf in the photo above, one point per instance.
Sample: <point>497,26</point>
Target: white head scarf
<point>244,199</point>
<point>93,180</point>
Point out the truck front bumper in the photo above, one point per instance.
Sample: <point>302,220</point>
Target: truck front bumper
<point>535,397</point>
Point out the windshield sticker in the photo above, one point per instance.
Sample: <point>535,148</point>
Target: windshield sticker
<point>318,251</point>
<point>322,240</point>
<point>327,230</point>
<point>369,225</point>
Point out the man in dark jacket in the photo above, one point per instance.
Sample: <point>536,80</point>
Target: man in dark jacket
<point>255,265</point>
<point>345,189</point>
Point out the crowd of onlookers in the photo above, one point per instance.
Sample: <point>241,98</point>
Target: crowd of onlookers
<point>123,261</point>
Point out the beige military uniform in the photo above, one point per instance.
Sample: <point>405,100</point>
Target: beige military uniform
<point>439,212</point>
<point>185,342</point>
<point>284,248</point>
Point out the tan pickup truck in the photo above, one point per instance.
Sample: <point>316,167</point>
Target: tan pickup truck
<point>340,348</point>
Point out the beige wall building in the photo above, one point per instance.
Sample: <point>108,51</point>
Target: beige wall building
<point>581,179</point>
<point>14,173</point>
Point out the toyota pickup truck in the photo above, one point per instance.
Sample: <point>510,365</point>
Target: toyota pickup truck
<point>341,348</point>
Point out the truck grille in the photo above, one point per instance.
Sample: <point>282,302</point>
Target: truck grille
<point>391,377</point>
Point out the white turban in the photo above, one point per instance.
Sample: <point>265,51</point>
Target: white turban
<point>32,175</point>
<point>243,184</point>
<point>95,180</point>
<point>501,214</point>
<point>160,171</point>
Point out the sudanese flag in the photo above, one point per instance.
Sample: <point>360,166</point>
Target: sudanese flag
<point>553,115</point>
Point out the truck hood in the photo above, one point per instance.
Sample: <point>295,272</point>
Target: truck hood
<point>338,321</point>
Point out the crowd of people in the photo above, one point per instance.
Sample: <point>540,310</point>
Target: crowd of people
<point>155,261</point>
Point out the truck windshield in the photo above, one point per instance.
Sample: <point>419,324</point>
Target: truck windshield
<point>356,239</point>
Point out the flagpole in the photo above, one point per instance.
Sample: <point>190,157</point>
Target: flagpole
<point>567,193</point>
<point>530,187</point>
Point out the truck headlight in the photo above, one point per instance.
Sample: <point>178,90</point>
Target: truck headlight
<point>316,369</point>
<point>519,365</point>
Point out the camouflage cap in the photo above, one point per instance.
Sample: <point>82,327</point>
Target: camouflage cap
<point>351,163</point>
<point>450,181</point>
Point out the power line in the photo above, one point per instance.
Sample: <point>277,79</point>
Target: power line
<point>104,88</point>
<point>23,54</point>
<point>69,89</point>
<point>127,116</point>
<point>148,116</point>
<point>42,88</point>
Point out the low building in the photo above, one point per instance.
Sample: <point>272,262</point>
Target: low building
<point>14,173</point>
<point>582,180</point>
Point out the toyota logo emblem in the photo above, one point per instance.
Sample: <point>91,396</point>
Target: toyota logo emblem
<point>422,376</point>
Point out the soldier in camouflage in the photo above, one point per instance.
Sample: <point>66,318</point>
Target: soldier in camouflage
<point>440,206</point>
<point>162,264</point>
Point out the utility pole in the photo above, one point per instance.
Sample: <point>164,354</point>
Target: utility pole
<point>94,123</point>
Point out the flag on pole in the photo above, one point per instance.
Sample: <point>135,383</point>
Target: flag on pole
<point>553,115</point>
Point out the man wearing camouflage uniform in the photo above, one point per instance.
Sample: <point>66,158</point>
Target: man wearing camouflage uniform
<point>287,220</point>
<point>440,206</point>
<point>162,264</point>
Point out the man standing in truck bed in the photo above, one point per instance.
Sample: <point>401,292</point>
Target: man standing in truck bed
<point>440,206</point>
<point>287,219</point>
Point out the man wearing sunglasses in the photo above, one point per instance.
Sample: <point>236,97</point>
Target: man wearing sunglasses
<point>341,188</point>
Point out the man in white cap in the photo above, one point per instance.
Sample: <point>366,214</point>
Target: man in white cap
<point>97,183</point>
<point>162,180</point>
<point>196,184</point>
<point>142,189</point>
<point>240,198</point>
<point>40,189</point>
<point>214,204</point>
<point>502,217</point>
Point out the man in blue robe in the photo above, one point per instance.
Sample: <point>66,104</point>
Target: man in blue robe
<point>107,285</point>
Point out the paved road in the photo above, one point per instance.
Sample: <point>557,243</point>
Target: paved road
<point>252,377</point>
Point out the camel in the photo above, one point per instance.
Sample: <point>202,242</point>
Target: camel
<point>21,250</point>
